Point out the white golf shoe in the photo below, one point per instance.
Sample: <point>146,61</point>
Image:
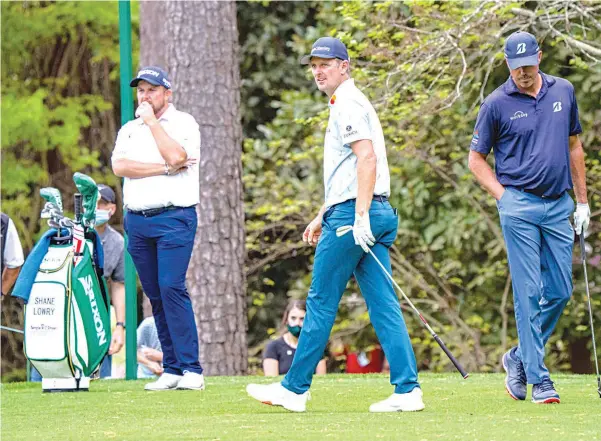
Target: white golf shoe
<point>191,381</point>
<point>409,402</point>
<point>277,395</point>
<point>165,382</point>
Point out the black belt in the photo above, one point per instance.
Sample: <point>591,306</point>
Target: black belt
<point>552,197</point>
<point>379,197</point>
<point>153,211</point>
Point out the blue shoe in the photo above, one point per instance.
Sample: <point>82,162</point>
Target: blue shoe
<point>515,381</point>
<point>544,393</point>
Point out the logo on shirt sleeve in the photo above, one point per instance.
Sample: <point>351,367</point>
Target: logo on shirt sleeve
<point>349,132</point>
<point>557,106</point>
<point>475,138</point>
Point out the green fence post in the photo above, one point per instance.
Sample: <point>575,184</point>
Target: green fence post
<point>127,113</point>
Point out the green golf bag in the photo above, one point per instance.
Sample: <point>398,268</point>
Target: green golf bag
<point>67,321</point>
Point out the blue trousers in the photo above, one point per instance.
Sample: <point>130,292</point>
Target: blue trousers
<point>539,240</point>
<point>336,260</point>
<point>161,247</point>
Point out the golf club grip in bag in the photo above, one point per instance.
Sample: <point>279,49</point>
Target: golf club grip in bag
<point>462,371</point>
<point>77,207</point>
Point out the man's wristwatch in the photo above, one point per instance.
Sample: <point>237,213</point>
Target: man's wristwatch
<point>120,324</point>
<point>166,169</point>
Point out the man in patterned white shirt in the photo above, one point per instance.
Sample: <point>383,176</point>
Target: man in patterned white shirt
<point>357,186</point>
<point>157,154</point>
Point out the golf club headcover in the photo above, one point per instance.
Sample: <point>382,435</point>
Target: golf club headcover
<point>89,191</point>
<point>53,196</point>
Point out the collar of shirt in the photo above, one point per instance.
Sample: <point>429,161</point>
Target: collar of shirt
<point>510,87</point>
<point>343,88</point>
<point>164,117</point>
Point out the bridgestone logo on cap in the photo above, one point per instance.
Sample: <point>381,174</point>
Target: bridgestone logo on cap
<point>321,48</point>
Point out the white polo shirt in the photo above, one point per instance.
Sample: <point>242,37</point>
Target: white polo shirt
<point>352,118</point>
<point>135,142</point>
<point>13,251</point>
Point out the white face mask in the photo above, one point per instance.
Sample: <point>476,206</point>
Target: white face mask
<point>102,216</point>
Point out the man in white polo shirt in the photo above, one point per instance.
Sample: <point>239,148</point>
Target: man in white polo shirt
<point>157,154</point>
<point>357,186</point>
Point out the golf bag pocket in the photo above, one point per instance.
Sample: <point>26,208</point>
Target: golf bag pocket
<point>90,331</point>
<point>46,312</point>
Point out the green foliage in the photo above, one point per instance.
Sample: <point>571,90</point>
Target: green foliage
<point>59,90</point>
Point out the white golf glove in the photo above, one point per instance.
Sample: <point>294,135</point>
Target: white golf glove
<point>362,232</point>
<point>582,217</point>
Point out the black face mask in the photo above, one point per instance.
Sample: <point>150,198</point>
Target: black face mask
<point>295,330</point>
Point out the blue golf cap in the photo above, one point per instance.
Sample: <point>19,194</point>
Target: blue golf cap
<point>327,47</point>
<point>106,193</point>
<point>521,49</point>
<point>152,74</point>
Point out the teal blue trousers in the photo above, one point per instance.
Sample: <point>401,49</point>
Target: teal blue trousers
<point>336,260</point>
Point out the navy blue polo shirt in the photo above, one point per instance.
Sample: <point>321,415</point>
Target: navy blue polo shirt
<point>530,136</point>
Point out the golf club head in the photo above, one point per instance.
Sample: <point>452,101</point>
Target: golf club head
<point>53,224</point>
<point>66,223</point>
<point>51,214</point>
<point>49,208</point>
<point>53,196</point>
<point>341,231</point>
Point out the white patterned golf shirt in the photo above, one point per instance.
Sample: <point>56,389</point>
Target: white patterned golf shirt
<point>352,118</point>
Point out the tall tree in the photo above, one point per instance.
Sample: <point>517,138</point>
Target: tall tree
<point>197,42</point>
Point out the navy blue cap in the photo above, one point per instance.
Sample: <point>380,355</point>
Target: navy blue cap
<point>106,193</point>
<point>152,74</point>
<point>521,49</point>
<point>326,47</point>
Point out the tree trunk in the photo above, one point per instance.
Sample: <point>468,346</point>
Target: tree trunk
<point>197,42</point>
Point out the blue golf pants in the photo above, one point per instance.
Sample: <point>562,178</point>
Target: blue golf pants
<point>539,240</point>
<point>336,260</point>
<point>161,247</point>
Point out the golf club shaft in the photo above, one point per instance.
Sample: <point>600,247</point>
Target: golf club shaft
<point>438,340</point>
<point>12,329</point>
<point>590,312</point>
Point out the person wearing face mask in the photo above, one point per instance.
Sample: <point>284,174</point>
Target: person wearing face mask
<point>113,246</point>
<point>531,122</point>
<point>279,353</point>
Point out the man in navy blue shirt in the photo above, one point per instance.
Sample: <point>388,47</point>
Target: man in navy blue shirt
<point>531,123</point>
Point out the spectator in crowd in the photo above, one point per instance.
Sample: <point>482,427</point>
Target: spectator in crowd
<point>150,355</point>
<point>12,254</point>
<point>279,353</point>
<point>113,246</point>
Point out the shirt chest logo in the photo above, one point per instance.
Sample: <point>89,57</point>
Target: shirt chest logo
<point>519,114</point>
<point>557,106</point>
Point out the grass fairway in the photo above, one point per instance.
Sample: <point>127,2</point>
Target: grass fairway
<point>473,409</point>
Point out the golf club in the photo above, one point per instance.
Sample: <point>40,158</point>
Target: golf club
<point>590,312</point>
<point>345,229</point>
